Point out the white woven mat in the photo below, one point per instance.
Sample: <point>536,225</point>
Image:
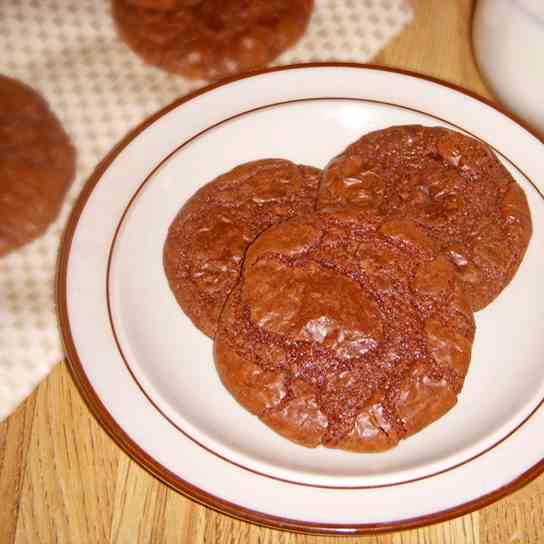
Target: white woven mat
<point>99,89</point>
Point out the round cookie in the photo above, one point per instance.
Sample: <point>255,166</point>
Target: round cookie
<point>211,39</point>
<point>347,330</point>
<point>207,240</point>
<point>37,165</point>
<point>451,185</point>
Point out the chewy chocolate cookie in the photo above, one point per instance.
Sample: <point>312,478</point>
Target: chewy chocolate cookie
<point>37,165</point>
<point>211,39</point>
<point>206,242</point>
<point>347,330</point>
<point>452,186</point>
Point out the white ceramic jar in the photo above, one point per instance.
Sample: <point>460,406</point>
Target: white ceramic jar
<point>508,38</point>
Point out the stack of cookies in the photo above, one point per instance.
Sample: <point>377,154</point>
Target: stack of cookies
<point>341,302</point>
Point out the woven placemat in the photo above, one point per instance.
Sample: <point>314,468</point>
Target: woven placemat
<point>71,54</point>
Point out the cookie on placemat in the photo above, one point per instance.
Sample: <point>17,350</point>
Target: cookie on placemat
<point>452,185</point>
<point>37,165</point>
<point>211,39</point>
<point>207,241</point>
<point>347,330</point>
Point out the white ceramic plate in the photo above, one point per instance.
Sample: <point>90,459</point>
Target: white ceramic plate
<point>148,374</point>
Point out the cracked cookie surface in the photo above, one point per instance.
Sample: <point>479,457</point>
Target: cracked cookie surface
<point>207,240</point>
<point>347,330</point>
<point>211,39</point>
<point>451,185</point>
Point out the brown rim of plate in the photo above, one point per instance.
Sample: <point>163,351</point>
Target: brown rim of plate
<point>105,419</point>
<point>169,419</point>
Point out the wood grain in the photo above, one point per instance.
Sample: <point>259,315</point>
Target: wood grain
<point>438,44</point>
<point>62,480</point>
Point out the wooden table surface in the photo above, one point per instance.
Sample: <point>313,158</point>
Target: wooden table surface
<point>63,480</point>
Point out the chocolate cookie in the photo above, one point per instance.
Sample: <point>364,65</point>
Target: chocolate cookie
<point>207,241</point>
<point>37,165</point>
<point>347,330</point>
<point>452,185</point>
<point>211,39</point>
